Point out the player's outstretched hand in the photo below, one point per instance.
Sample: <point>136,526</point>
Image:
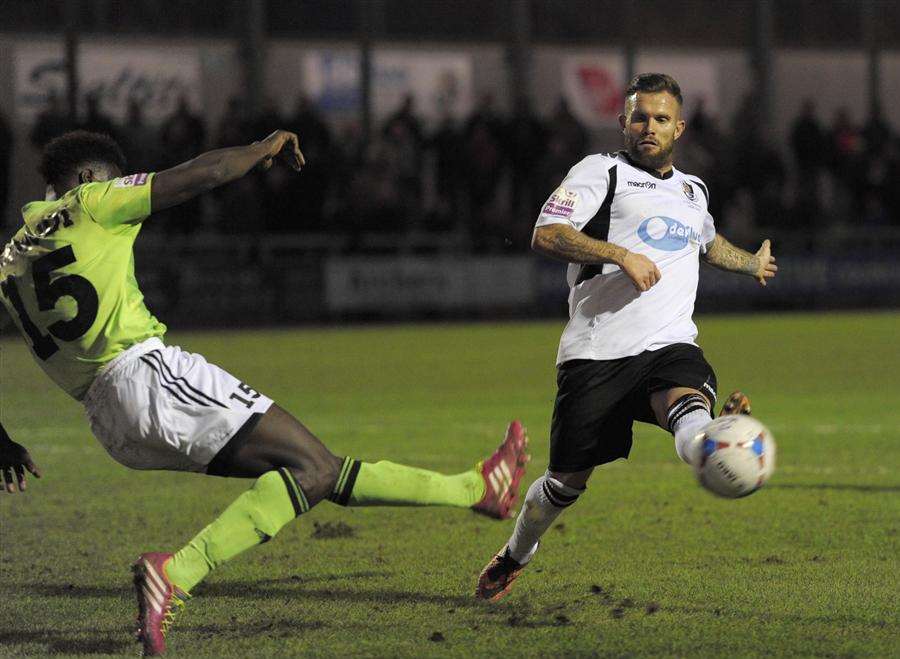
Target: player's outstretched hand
<point>284,145</point>
<point>14,461</point>
<point>641,270</point>
<point>766,263</point>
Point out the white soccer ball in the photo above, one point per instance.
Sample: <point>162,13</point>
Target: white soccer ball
<point>735,456</point>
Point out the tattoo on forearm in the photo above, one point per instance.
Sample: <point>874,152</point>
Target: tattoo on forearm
<point>568,244</point>
<point>722,254</point>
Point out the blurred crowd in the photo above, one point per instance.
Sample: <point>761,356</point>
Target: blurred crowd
<point>826,174</point>
<point>483,179</point>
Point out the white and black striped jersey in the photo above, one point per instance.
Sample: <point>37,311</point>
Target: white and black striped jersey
<point>666,219</point>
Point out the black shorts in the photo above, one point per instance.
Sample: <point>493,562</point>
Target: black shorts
<point>598,400</point>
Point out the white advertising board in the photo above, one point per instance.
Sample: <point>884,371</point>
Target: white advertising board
<point>156,77</point>
<point>439,82</point>
<point>421,283</point>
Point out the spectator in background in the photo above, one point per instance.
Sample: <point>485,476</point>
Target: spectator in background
<point>95,120</point>
<point>447,144</point>
<point>708,150</point>
<point>267,117</point>
<point>374,203</point>
<point>311,190</point>
<point>483,162</point>
<point>406,116</point>
<point>6,147</point>
<point>876,134</point>
<point>234,128</point>
<point>274,188</point>
<point>400,147</point>
<point>766,175</point>
<point>845,144</point>
<point>875,170</point>
<point>809,146</point>
<point>182,136</point>
<point>566,142</point>
<point>139,140</point>
<point>526,145</point>
<point>701,123</point>
<point>807,140</point>
<point>892,193</point>
<point>565,127</point>
<point>51,122</point>
<point>238,204</point>
<point>758,166</point>
<point>845,147</point>
<point>485,115</point>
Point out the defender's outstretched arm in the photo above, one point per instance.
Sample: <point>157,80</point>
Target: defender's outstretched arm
<point>566,243</point>
<point>723,255</point>
<point>214,168</point>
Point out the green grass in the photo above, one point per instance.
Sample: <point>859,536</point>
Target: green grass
<point>646,564</point>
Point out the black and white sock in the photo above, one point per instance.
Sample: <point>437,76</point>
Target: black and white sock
<point>686,418</point>
<point>546,499</point>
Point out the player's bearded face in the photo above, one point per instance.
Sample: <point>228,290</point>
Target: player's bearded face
<point>651,124</point>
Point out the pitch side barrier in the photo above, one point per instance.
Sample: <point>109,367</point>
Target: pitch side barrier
<point>238,281</point>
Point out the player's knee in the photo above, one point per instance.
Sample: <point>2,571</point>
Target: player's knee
<point>683,407</point>
<point>573,479</point>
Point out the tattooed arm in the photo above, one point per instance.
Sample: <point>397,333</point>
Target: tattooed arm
<point>566,243</point>
<point>723,255</point>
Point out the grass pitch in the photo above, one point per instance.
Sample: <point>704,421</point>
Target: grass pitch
<point>646,564</point>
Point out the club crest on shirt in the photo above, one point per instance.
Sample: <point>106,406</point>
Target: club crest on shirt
<point>130,181</point>
<point>688,190</point>
<point>561,203</point>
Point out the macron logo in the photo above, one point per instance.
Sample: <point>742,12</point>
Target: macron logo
<point>643,184</point>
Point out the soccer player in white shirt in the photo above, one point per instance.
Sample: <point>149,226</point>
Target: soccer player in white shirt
<point>633,230</point>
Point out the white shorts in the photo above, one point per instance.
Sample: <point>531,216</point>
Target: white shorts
<point>158,407</point>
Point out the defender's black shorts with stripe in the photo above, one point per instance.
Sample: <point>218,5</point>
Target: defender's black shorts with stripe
<point>598,400</point>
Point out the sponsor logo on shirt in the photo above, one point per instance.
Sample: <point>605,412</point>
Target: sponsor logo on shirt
<point>561,203</point>
<point>642,184</point>
<point>688,190</point>
<point>130,181</point>
<point>666,233</point>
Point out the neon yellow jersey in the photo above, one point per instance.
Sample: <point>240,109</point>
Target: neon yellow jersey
<point>67,279</point>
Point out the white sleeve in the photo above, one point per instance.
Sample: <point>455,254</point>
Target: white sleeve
<point>579,196</point>
<point>707,233</point>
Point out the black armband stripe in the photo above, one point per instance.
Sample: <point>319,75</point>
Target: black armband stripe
<point>703,189</point>
<point>598,226</point>
<point>346,481</point>
<point>295,492</point>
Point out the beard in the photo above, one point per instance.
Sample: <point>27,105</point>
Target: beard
<point>655,160</point>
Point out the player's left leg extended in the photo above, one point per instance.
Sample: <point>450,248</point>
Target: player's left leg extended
<point>295,471</point>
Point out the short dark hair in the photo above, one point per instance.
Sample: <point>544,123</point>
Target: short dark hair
<point>63,155</point>
<point>654,82</point>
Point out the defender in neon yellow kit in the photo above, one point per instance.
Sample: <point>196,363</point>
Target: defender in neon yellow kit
<point>67,278</point>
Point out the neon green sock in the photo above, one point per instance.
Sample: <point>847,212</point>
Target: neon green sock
<point>389,484</point>
<point>253,518</point>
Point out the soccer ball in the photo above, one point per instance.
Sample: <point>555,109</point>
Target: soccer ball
<point>735,456</point>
